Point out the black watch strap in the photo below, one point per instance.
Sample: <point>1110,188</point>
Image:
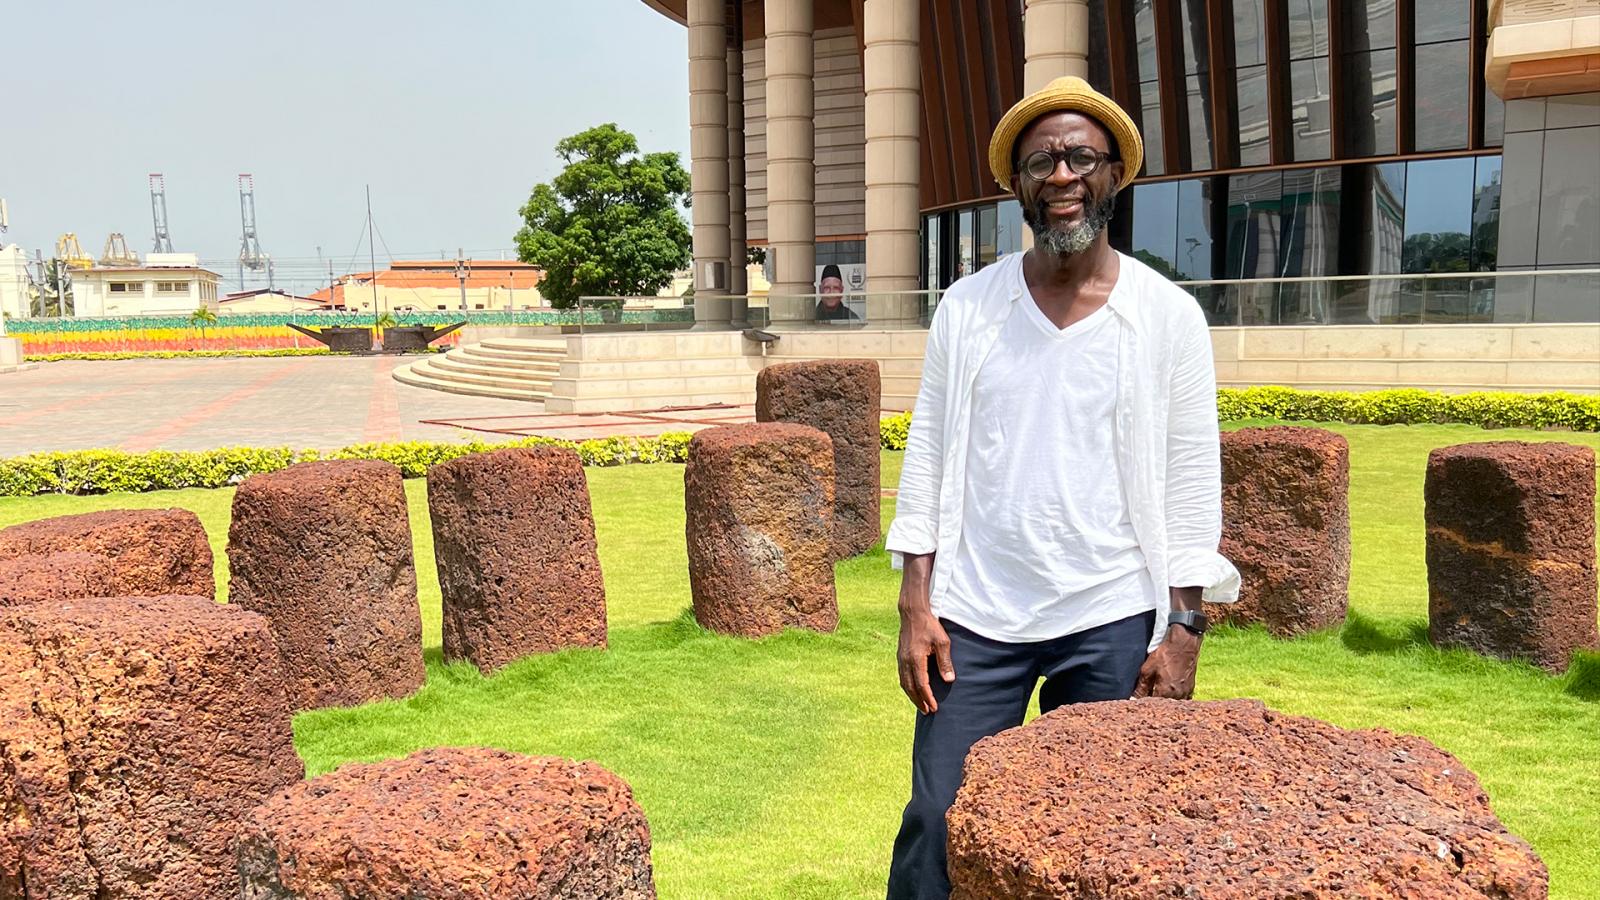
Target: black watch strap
<point>1194,620</point>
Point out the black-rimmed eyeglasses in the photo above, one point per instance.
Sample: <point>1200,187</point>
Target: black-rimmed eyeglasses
<point>1083,161</point>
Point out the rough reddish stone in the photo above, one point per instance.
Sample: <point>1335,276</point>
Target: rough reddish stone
<point>56,576</point>
<point>154,551</point>
<point>1226,801</point>
<point>1511,559</point>
<point>323,550</point>
<point>1286,526</point>
<point>450,824</point>
<point>760,502</point>
<point>513,535</point>
<point>137,732</point>
<point>842,399</point>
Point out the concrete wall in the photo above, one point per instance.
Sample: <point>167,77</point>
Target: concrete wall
<point>840,136</point>
<point>643,371</point>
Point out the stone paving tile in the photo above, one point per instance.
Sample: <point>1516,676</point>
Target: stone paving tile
<point>195,404</point>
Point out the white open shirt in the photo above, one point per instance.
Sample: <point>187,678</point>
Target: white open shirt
<point>1167,443</point>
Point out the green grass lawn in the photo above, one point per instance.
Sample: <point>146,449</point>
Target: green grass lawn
<point>777,768</point>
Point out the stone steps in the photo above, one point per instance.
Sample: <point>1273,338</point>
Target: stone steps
<point>507,368</point>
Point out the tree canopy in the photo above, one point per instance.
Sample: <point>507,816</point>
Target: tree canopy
<point>609,224</point>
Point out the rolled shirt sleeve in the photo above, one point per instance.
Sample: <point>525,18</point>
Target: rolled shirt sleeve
<point>1194,472</point>
<point>915,529</point>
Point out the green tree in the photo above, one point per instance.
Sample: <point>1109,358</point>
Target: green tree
<point>202,318</point>
<point>609,224</point>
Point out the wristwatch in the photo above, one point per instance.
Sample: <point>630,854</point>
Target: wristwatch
<point>1194,620</point>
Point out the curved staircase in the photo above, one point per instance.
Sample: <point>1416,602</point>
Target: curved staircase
<point>508,368</point>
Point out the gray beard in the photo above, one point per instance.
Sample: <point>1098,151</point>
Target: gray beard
<point>1073,239</point>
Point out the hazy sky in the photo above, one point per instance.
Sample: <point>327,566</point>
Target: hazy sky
<point>450,111</point>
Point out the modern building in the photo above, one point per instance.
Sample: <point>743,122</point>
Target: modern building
<point>1345,172</point>
<point>164,283</point>
<point>437,284</point>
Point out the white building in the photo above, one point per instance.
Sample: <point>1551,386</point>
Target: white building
<point>165,283</point>
<point>14,284</point>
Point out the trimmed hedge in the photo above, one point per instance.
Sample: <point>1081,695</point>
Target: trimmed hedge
<point>1402,406</point>
<point>108,471</point>
<point>115,471</point>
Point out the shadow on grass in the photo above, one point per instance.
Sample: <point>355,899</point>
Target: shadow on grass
<point>1583,677</point>
<point>1362,634</point>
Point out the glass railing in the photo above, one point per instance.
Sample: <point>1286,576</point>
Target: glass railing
<point>1548,295</point>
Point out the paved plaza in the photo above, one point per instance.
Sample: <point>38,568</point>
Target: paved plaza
<point>319,402</point>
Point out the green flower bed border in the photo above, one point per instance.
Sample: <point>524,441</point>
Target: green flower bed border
<point>111,471</point>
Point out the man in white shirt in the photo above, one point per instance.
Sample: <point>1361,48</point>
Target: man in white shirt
<point>1060,502</point>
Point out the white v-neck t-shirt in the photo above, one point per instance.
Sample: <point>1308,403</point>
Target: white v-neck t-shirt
<point>1047,545</point>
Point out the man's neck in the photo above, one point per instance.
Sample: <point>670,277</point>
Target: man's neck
<point>1068,273</point>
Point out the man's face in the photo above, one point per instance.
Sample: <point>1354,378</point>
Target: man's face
<point>1066,211</point>
<point>832,290</point>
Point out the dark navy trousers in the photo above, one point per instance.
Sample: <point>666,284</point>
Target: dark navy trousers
<point>994,681</point>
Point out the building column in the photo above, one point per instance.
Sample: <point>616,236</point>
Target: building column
<point>1055,40</point>
<point>791,146</point>
<point>738,282</point>
<point>892,76</point>
<point>708,155</point>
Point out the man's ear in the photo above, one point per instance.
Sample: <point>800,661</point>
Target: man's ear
<point>1016,186</point>
<point>1115,170</point>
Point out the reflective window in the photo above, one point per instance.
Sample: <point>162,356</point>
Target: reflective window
<point>1144,28</point>
<point>986,236</point>
<point>1254,221</point>
<point>1438,216</point>
<point>930,252</point>
<point>1311,223</point>
<point>1368,24</point>
<point>1099,51</point>
<point>1008,233</point>
<point>1308,28</point>
<point>1486,214</point>
<point>1198,90</point>
<point>1249,33</point>
<point>1155,226</point>
<point>1369,103</point>
<point>1154,152</point>
<point>1443,80</point>
<point>1255,144</point>
<point>966,246</point>
<point>1192,21</point>
<point>1309,119</point>
<point>1494,119</point>
<point>1443,20</point>
<point>1193,252</point>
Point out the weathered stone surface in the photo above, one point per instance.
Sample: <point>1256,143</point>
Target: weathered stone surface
<point>760,502</point>
<point>842,399</point>
<point>1511,558</point>
<point>513,536</point>
<point>323,550</point>
<point>56,576</point>
<point>450,824</point>
<point>154,551</point>
<point>137,732</point>
<point>1286,526</point>
<point>1227,801</point>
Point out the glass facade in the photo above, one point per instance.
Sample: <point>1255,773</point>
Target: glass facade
<point>1435,216</point>
<point>956,243</point>
<point>1357,140</point>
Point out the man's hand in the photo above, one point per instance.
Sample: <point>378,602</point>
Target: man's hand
<point>1169,671</point>
<point>921,636</point>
